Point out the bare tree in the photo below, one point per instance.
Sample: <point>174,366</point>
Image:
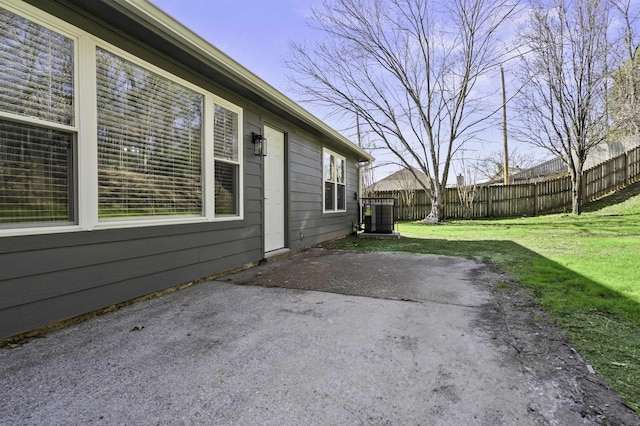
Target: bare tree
<point>367,171</point>
<point>492,165</point>
<point>406,189</point>
<point>410,70</point>
<point>624,98</point>
<point>467,186</point>
<point>565,75</point>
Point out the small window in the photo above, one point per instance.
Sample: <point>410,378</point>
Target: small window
<point>334,170</point>
<point>37,124</point>
<point>149,143</point>
<point>226,164</point>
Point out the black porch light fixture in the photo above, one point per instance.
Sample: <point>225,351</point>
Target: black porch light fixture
<point>259,144</point>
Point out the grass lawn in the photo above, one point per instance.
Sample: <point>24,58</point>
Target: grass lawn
<point>583,270</point>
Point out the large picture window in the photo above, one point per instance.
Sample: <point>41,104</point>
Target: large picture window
<point>37,124</point>
<point>334,181</point>
<point>149,142</point>
<point>92,136</point>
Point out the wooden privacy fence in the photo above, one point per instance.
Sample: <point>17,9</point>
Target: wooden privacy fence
<point>526,199</point>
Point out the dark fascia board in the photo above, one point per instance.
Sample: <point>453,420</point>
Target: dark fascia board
<point>152,26</point>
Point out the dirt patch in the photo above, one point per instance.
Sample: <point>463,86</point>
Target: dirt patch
<point>546,356</point>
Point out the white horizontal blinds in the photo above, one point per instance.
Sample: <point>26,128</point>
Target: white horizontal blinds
<point>225,137</point>
<point>35,174</point>
<point>36,70</point>
<point>226,174</point>
<point>340,183</point>
<point>149,142</point>
<point>36,162</point>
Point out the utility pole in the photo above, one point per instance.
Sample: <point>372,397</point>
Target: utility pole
<point>358,130</point>
<point>505,171</point>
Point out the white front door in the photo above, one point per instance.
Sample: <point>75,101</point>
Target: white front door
<point>274,197</point>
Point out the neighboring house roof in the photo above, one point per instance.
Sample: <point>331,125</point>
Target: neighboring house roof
<point>401,180</point>
<point>146,22</point>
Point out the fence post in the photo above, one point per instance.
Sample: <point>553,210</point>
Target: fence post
<point>584,186</point>
<point>489,206</point>
<point>627,166</point>
<point>535,198</point>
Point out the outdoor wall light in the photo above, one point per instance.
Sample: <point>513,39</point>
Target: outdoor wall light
<point>259,144</point>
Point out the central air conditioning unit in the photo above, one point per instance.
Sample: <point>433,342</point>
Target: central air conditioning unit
<point>379,217</point>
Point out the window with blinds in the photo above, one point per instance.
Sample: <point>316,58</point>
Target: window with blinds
<point>147,164</point>
<point>149,142</point>
<point>334,181</point>
<point>35,174</point>
<point>36,70</point>
<point>37,120</point>
<point>225,151</point>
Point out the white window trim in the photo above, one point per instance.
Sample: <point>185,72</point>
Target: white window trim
<point>86,139</point>
<point>324,207</point>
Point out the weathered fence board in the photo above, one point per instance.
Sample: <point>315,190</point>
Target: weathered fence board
<point>552,195</point>
<point>525,199</point>
<point>633,166</point>
<point>605,177</point>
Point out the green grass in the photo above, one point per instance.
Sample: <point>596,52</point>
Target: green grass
<point>584,271</point>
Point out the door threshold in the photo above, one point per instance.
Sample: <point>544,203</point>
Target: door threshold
<point>277,254</point>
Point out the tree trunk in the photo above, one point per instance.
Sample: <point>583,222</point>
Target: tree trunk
<point>576,192</point>
<point>437,205</point>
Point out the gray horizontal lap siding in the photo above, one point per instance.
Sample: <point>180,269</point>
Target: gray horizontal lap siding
<point>306,195</point>
<point>24,317</point>
<point>70,269</point>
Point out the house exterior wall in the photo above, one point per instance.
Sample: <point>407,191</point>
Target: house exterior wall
<point>308,224</point>
<point>46,278</point>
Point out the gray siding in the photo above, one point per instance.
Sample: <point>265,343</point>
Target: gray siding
<point>52,277</point>
<point>306,194</point>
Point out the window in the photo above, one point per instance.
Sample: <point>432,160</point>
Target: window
<point>226,166</point>
<point>334,181</point>
<point>149,142</point>
<point>37,124</point>
<point>93,137</point>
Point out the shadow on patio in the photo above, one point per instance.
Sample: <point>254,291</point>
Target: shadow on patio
<point>601,322</point>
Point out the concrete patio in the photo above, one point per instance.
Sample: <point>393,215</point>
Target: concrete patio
<point>323,337</point>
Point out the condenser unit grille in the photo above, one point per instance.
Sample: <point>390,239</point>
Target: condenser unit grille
<point>379,217</point>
